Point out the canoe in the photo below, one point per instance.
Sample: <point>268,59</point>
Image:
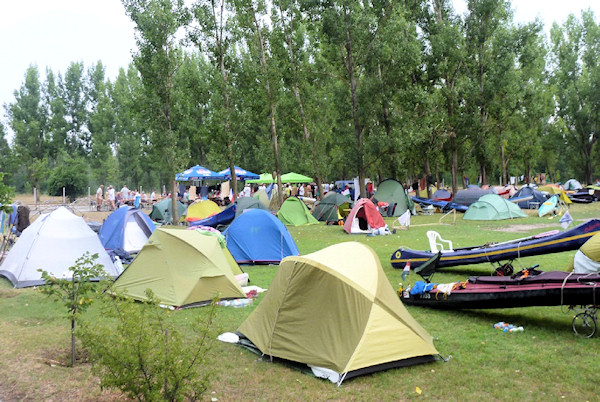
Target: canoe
<point>552,288</point>
<point>543,243</point>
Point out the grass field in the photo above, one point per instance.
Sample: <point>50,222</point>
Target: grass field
<point>546,361</point>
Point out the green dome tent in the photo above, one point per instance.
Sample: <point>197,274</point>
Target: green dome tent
<point>392,192</point>
<point>492,207</point>
<point>330,208</point>
<point>162,211</point>
<point>361,326</point>
<point>182,267</point>
<point>295,213</point>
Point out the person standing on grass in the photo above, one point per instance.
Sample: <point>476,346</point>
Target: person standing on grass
<point>99,197</point>
<point>111,197</point>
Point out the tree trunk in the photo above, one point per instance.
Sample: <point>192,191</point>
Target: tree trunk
<point>503,163</point>
<point>427,175</point>
<point>175,213</point>
<point>72,342</point>
<point>454,168</point>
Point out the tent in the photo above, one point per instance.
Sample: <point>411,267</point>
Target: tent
<point>330,208</point>
<point>295,178</point>
<point>162,211</point>
<point>127,228</point>
<point>572,185</point>
<point>263,197</point>
<point>469,196</point>
<point>198,173</point>
<point>536,197</point>
<point>222,218</point>
<point>294,212</point>
<point>53,242</point>
<point>392,192</point>
<point>201,210</point>
<point>262,178</point>
<point>442,194</point>
<point>361,325</point>
<point>258,237</point>
<point>553,189</point>
<point>587,258</point>
<point>492,207</point>
<point>363,218</point>
<point>244,203</point>
<point>240,174</point>
<point>182,268</point>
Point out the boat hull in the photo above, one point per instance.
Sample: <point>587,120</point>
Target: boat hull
<point>568,240</point>
<point>583,290</point>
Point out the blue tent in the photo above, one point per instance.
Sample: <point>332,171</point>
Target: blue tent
<point>222,218</point>
<point>127,228</point>
<point>258,237</point>
<point>531,198</point>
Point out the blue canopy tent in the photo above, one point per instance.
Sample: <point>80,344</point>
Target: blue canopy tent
<point>241,174</point>
<point>258,237</point>
<point>127,228</point>
<point>198,173</point>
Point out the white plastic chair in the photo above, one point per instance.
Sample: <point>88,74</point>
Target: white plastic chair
<point>437,244</point>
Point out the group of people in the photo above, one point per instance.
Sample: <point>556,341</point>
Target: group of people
<point>125,196</point>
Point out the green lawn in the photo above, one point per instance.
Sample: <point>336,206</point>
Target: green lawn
<point>545,361</point>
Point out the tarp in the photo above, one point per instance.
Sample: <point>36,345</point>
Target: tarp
<point>537,198</point>
<point>392,192</point>
<point>240,174</point>
<point>201,210</point>
<point>162,211</point>
<point>295,213</point>
<point>244,203</point>
<point>222,218</point>
<point>336,309</point>
<point>198,173</point>
<point>127,228</point>
<point>295,178</point>
<point>492,207</point>
<point>257,236</point>
<point>53,242</point>
<point>330,208</point>
<point>363,218</point>
<point>182,267</point>
<point>442,194</point>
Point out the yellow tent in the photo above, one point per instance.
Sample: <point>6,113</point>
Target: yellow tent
<point>202,209</point>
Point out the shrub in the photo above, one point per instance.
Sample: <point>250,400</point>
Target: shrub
<point>137,349</point>
<point>72,175</point>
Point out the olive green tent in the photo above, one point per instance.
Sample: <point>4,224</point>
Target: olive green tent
<point>492,207</point>
<point>587,258</point>
<point>182,267</point>
<point>392,192</point>
<point>295,213</point>
<point>335,309</point>
<point>331,207</point>
<point>162,211</point>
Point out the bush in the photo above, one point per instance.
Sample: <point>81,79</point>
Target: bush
<point>137,349</point>
<point>72,175</point>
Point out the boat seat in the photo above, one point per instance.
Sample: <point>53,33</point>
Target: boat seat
<point>437,244</point>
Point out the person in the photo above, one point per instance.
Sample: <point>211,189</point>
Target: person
<point>246,191</point>
<point>262,187</point>
<point>99,197</point>
<point>111,197</point>
<point>153,196</point>
<point>125,195</point>
<point>346,192</point>
<point>301,190</point>
<point>325,188</point>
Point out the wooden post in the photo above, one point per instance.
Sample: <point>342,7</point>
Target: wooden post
<point>64,196</point>
<point>35,197</point>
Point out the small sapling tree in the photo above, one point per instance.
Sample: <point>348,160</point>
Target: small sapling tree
<point>139,349</point>
<point>76,294</point>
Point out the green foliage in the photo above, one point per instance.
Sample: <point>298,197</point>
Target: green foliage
<point>76,294</point>
<point>140,349</point>
<point>72,175</point>
<point>6,194</point>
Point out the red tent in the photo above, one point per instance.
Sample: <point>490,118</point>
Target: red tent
<point>363,218</point>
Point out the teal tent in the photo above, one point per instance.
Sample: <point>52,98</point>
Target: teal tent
<point>492,207</point>
<point>392,192</point>
<point>162,211</point>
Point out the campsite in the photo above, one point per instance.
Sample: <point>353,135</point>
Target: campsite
<point>546,360</point>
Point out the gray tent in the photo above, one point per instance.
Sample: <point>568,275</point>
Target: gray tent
<point>470,196</point>
<point>244,203</point>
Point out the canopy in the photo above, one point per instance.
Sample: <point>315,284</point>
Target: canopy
<point>295,178</point>
<point>240,173</point>
<point>263,178</point>
<point>198,173</point>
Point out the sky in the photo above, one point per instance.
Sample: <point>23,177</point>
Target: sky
<point>54,33</point>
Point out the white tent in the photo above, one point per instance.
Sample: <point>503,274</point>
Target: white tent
<point>53,242</point>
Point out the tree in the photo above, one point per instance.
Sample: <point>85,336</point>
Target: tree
<point>576,78</point>
<point>70,174</point>
<point>75,293</point>
<point>75,102</point>
<point>158,59</point>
